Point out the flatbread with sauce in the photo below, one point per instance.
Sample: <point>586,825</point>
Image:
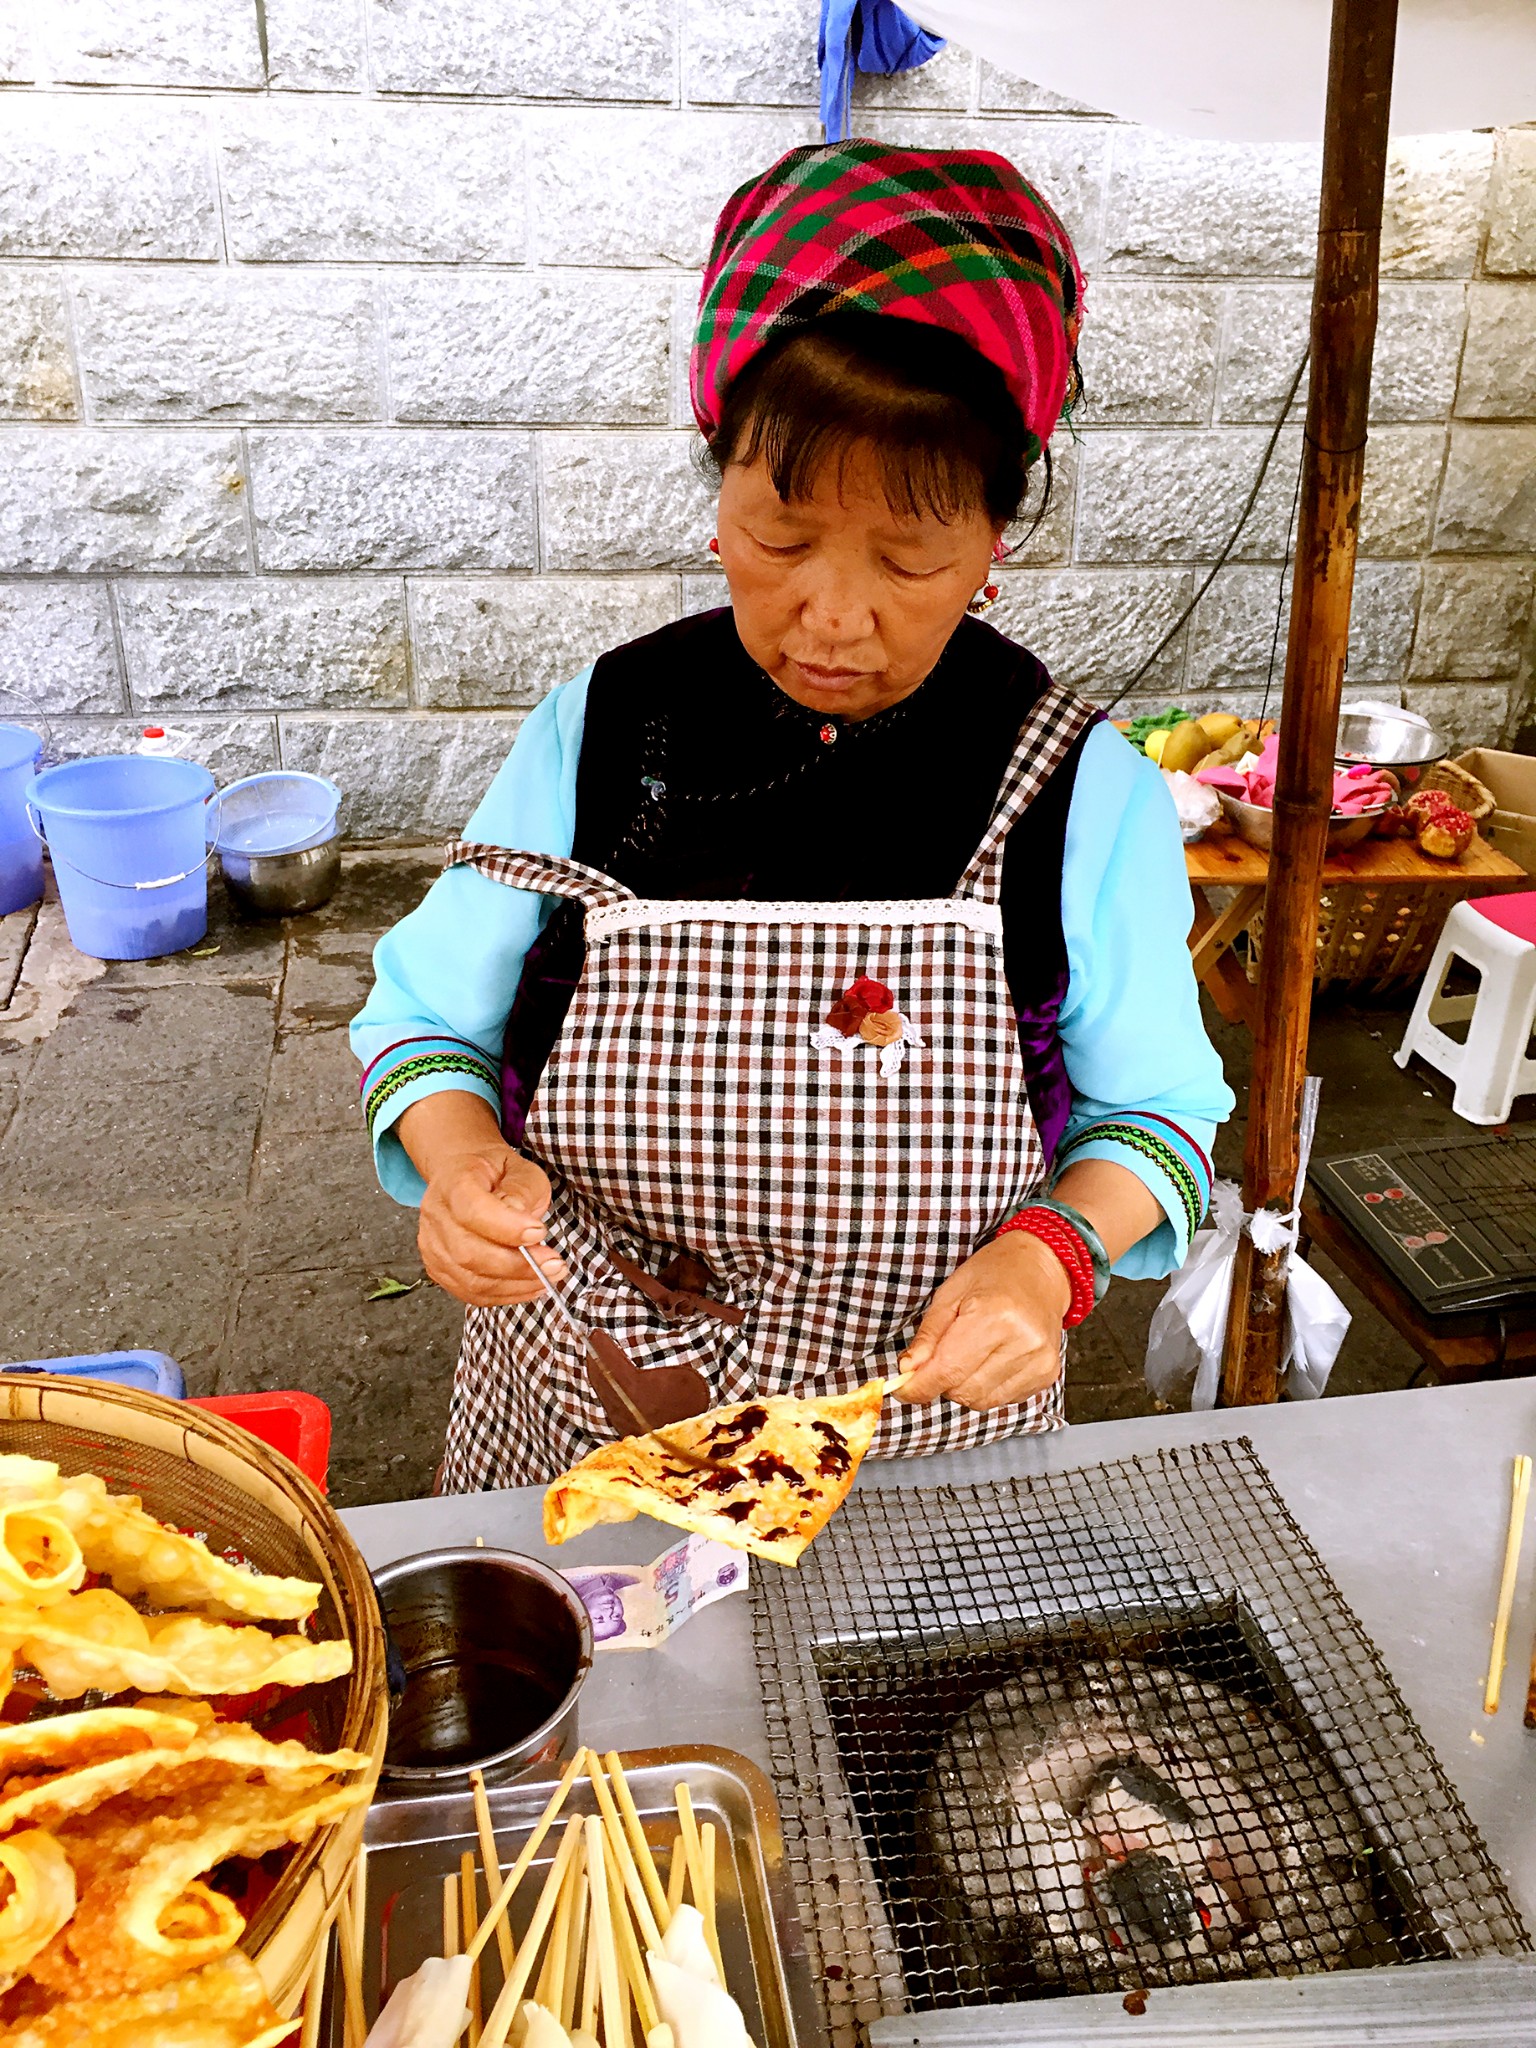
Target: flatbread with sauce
<point>784,1465</point>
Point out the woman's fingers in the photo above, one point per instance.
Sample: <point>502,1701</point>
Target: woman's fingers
<point>959,1340</point>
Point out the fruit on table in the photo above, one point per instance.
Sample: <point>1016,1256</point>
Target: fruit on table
<point>1141,729</point>
<point>1442,828</point>
<point>1220,726</point>
<point>1185,747</point>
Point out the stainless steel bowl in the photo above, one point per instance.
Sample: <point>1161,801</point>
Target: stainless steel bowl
<point>280,884</point>
<point>1256,824</point>
<point>1387,742</point>
<point>496,1649</point>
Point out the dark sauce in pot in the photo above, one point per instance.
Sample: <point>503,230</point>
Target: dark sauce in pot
<point>459,1710</point>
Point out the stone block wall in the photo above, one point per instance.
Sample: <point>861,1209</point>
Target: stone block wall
<point>342,399</point>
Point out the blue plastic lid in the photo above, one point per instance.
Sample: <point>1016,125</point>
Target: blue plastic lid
<point>283,810</point>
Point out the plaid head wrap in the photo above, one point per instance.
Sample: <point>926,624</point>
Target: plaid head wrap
<point>951,237</point>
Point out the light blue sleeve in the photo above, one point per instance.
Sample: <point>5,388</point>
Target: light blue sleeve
<point>1147,1086</point>
<point>446,975</point>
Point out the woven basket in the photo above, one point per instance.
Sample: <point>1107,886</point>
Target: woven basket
<point>196,1471</point>
<point>1463,788</point>
<point>1372,939</point>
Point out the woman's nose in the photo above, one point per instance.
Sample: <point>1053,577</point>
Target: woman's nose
<point>836,608</point>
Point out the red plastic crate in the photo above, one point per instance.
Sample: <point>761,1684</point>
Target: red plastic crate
<point>298,1425</point>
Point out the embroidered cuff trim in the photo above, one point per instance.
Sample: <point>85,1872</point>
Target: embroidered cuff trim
<point>425,1066</point>
<point>1157,1152</point>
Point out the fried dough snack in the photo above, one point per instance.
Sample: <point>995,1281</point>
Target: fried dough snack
<point>188,1757</point>
<point>96,1641</point>
<point>136,1864</point>
<point>39,1557</point>
<point>223,2005</point>
<point>69,1741</point>
<point>117,1538</point>
<point>40,1901</point>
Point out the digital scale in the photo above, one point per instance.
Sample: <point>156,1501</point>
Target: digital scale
<point>1454,1221</point>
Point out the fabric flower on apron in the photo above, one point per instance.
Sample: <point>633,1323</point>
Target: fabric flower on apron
<point>865,1014</point>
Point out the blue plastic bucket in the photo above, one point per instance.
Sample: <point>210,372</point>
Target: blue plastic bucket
<point>21,858</point>
<point>130,851</point>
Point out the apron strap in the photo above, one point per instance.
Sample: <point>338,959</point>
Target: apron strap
<point>1045,739</point>
<point>544,874</point>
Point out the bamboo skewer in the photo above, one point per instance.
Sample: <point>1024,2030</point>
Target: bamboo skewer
<point>677,1875</point>
<point>1520,1493</point>
<point>707,1846</point>
<point>491,1862</point>
<point>498,1906</point>
<point>504,2011</point>
<point>355,2021</point>
<point>621,1853</point>
<point>631,1965</point>
<point>634,1828</point>
<point>314,1993</point>
<point>692,1851</point>
<point>579,1951</point>
<point>551,1991</point>
<point>614,2005</point>
<point>589,1983</point>
<point>469,1921</point>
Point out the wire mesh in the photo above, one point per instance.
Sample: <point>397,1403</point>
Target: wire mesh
<point>1111,1729</point>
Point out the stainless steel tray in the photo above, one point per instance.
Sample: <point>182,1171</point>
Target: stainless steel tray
<point>413,1842</point>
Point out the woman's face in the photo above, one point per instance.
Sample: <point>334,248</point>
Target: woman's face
<point>846,604</point>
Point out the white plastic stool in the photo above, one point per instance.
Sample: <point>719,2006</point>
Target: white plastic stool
<point>1496,935</point>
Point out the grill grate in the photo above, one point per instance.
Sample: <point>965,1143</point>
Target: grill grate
<point>1111,1729</point>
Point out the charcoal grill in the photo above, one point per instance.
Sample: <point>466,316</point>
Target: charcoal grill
<point>955,1680</point>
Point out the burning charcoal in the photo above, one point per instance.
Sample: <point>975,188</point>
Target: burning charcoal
<point>1152,1898</point>
<point>1135,1824</point>
<point>1131,1777</point>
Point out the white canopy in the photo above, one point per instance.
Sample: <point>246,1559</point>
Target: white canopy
<point>1250,70</point>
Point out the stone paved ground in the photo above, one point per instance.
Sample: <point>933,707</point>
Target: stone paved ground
<point>183,1168</point>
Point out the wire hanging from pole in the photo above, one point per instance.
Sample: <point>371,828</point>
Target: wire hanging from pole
<point>1274,644</point>
<point>1220,562</point>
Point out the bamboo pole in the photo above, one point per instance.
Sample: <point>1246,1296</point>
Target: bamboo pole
<point>1343,336</point>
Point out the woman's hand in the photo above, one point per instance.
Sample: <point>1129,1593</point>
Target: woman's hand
<point>483,1203</point>
<point>992,1334</point>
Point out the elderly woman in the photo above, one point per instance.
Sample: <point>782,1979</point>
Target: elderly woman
<point>811,994</point>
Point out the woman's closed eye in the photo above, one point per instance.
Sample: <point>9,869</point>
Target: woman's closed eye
<point>781,551</point>
<point>922,574</point>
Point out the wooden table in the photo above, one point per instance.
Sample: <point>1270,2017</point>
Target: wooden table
<point>1393,867</point>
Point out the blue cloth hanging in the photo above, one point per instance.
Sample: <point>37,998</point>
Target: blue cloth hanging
<point>864,35</point>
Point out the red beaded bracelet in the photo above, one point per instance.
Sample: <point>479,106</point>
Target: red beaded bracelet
<point>1055,1232</point>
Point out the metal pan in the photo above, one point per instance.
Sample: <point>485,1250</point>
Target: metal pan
<point>413,1841</point>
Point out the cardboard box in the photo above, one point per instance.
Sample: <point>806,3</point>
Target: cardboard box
<point>1511,779</point>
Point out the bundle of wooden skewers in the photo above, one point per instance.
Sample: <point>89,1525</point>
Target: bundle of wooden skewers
<point>611,1957</point>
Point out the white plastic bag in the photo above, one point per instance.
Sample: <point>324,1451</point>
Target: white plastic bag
<point>1317,1323</point>
<point>1189,1323</point>
<point>1197,804</point>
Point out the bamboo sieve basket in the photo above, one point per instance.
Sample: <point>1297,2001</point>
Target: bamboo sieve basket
<point>197,1471</point>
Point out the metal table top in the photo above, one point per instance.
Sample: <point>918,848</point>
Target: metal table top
<point>1406,1497</point>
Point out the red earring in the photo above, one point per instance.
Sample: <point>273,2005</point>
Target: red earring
<point>714,545</point>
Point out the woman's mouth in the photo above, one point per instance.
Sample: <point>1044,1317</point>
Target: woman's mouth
<point>827,678</point>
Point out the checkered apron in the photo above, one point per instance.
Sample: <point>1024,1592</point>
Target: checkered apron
<point>686,1108</point>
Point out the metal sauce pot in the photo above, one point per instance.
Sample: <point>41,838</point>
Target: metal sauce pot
<point>496,1648</point>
